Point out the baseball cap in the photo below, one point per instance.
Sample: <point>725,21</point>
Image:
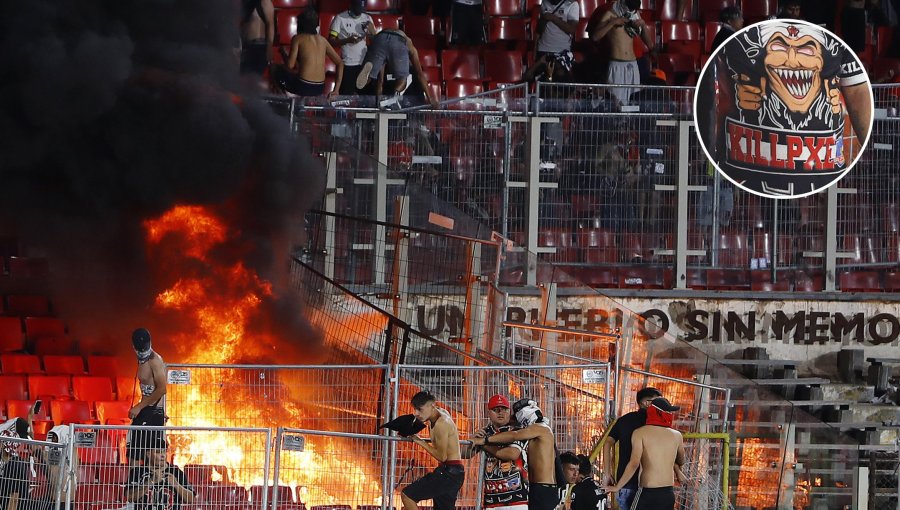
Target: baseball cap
<point>498,401</point>
<point>664,405</point>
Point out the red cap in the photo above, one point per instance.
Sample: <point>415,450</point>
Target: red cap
<point>498,401</point>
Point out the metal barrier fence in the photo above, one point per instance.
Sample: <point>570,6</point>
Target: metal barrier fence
<point>35,474</point>
<point>884,476</point>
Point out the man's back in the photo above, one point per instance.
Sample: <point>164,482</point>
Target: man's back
<point>660,449</point>
<point>311,49</point>
<point>542,457</point>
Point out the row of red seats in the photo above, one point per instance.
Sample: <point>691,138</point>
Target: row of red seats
<point>72,364</point>
<point>65,387</point>
<point>24,267</point>
<point>25,305</point>
<point>63,412</point>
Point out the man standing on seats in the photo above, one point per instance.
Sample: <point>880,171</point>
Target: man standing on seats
<point>658,451</point>
<point>621,432</point>
<point>392,50</point>
<point>622,24</point>
<point>505,476</point>
<point>257,35</point>
<point>543,491</point>
<point>349,31</point>
<point>151,375</point>
<point>441,485</point>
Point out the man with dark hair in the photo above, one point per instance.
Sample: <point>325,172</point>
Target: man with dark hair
<point>158,485</point>
<point>349,31</point>
<point>587,495</point>
<point>543,491</point>
<point>304,71</point>
<point>732,19</point>
<point>620,434</point>
<point>790,9</point>
<point>151,375</point>
<point>441,485</point>
<point>658,450</point>
<point>622,23</point>
<point>505,478</point>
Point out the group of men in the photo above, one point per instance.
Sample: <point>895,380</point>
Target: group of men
<point>524,469</point>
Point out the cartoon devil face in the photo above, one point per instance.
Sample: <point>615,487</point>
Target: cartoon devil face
<point>793,69</point>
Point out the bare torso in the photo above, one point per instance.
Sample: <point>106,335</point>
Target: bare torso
<point>660,448</point>
<point>145,375</point>
<point>446,437</point>
<point>252,27</point>
<point>621,45</point>
<point>541,458</point>
<point>310,51</point>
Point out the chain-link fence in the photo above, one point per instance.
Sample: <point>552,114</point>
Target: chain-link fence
<point>884,476</point>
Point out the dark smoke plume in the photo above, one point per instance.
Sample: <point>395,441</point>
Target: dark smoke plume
<point>115,111</point>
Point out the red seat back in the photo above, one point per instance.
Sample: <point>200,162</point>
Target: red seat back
<point>20,364</point>
<point>70,411</point>
<point>28,305</point>
<point>91,389</point>
<point>56,386</point>
<point>460,64</point>
<point>107,366</point>
<point>860,281</point>
<point>12,338</point>
<point>503,7</point>
<point>36,327</point>
<point>386,21</point>
<point>113,412</point>
<point>286,25</point>
<point>504,66</point>
<point>13,387</point>
<point>63,364</point>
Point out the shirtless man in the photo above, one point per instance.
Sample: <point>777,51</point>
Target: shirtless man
<point>658,450</point>
<point>543,492</point>
<point>393,49</point>
<point>441,485</point>
<point>621,24</point>
<point>257,35</point>
<point>151,375</point>
<point>306,62</point>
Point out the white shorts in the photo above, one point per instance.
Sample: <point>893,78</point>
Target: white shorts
<point>623,73</point>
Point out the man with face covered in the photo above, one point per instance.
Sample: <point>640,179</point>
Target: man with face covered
<point>788,135</point>
<point>151,375</point>
<point>349,31</point>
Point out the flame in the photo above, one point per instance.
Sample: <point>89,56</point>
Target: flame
<point>213,303</point>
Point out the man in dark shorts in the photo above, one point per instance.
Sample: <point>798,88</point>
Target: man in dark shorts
<point>441,485</point>
<point>620,434</point>
<point>151,375</point>
<point>392,50</point>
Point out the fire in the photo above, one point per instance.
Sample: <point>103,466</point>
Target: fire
<point>213,304</point>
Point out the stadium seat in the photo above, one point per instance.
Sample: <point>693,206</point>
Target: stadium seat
<point>54,386</point>
<point>506,30</point>
<point>804,282</point>
<point>503,7</point>
<point>503,66</point>
<point>645,277</point>
<point>36,327</point>
<point>708,10</point>
<point>463,88</point>
<point>285,494</point>
<point>727,279</point>
<point>13,387</point>
<point>763,248</point>
<point>291,4</point>
<point>20,364</point>
<point>811,246</point>
<point>884,39</point>
<point>862,248</point>
<point>286,25</point>
<point>677,66</point>
<point>564,242</point>
<point>227,496</point>
<point>679,31</point>
<point>106,366</point>
<point>12,338</point>
<point>759,9</point>
<point>200,475</point>
<point>90,389</point>
<point>54,344</point>
<point>28,267</point>
<point>695,278</point>
<point>767,286</point>
<point>880,67</point>
<point>381,5</point>
<point>600,277</point>
<point>64,412</point>
<point>892,250</point>
<point>21,408</point>
<point>635,248</point>
<point>432,75</point>
<point>127,388</point>
<point>429,58</point>
<point>421,26</point>
<point>598,246</point>
<point>860,281</point>
<point>386,21</point>
<point>63,364</point>
<point>325,19</point>
<point>113,412</point>
<point>665,10</point>
<point>710,29</point>
<point>460,64</point>
<point>112,474</point>
<point>27,305</point>
<point>734,250</point>
<point>892,281</point>
<point>587,7</point>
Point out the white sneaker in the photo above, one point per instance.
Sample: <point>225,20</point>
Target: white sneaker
<point>406,86</point>
<point>362,79</point>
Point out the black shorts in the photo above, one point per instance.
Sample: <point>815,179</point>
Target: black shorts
<point>657,498</point>
<point>151,416</point>
<point>253,57</point>
<point>543,496</point>
<point>441,486</point>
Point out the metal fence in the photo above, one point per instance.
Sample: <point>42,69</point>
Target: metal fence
<point>35,474</point>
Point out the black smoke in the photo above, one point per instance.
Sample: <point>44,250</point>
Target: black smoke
<point>112,112</point>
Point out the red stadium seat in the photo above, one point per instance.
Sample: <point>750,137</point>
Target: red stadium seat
<point>286,25</point>
<point>763,248</point>
<point>429,58</point>
<point>804,282</point>
<point>503,7</point>
<point>598,246</point>
<point>695,278</point>
<point>13,387</point>
<point>727,279</point>
<point>463,88</point>
<point>507,29</point>
<point>325,19</point>
<point>421,26</point>
<point>679,31</point>
<point>113,412</point>
<point>709,9</point>
<point>460,64</point>
<point>436,90</point>
<point>227,496</point>
<point>860,247</point>
<point>880,67</point>
<point>587,7</point>
<point>767,286</point>
<point>20,364</point>
<point>665,10</point>
<point>645,277</point>
<point>759,9</point>
<point>285,494</point>
<point>64,364</point>
<point>561,239</point>
<point>734,250</point>
<point>860,281</point>
<point>55,386</point>
<point>21,408</point>
<point>503,66</point>
<point>36,327</point>
<point>91,389</point>
<point>600,277</point>
<point>381,5</point>
<point>333,6</point>
<point>884,39</point>
<point>679,67</point>
<point>55,344</point>
<point>28,267</point>
<point>635,247</point>
<point>386,21</point>
<point>27,305</point>
<point>710,29</point>
<point>12,338</point>
<point>892,281</point>
<point>106,366</point>
<point>112,474</point>
<point>127,388</point>
<point>90,496</point>
<point>291,4</point>
<point>71,411</point>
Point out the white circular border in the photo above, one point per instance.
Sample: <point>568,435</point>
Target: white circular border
<point>862,148</point>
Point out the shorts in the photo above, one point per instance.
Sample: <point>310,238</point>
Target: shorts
<point>657,498</point>
<point>253,57</point>
<point>543,496</point>
<point>348,84</point>
<point>152,416</point>
<point>389,49</point>
<point>441,486</point>
<point>296,85</point>
<point>623,73</point>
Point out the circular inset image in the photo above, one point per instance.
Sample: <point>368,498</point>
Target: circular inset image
<point>783,108</point>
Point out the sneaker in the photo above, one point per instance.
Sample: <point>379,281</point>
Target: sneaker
<point>362,79</point>
<point>406,85</point>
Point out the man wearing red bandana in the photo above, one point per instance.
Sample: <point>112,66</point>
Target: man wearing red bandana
<point>657,449</point>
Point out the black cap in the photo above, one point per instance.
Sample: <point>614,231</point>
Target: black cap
<point>405,425</point>
<point>664,405</point>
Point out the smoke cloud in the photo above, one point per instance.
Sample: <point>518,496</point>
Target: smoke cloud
<point>112,112</point>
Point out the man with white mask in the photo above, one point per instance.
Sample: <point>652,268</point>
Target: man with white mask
<point>151,375</point>
<point>543,491</point>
